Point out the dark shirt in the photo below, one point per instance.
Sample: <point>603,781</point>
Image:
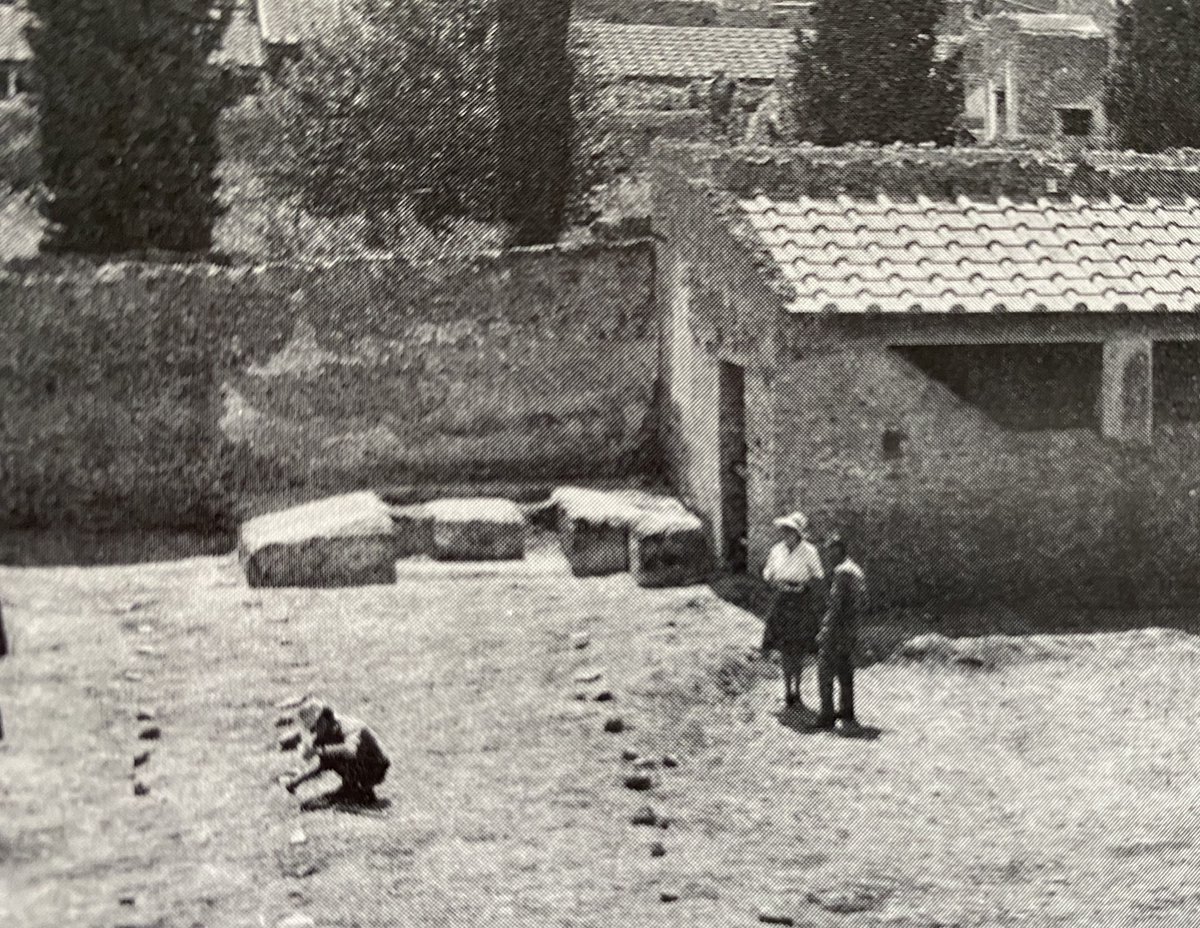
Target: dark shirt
<point>847,603</point>
<point>352,740</point>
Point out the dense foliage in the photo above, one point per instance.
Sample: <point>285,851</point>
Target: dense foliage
<point>1154,85</point>
<point>394,108</point>
<point>870,73</point>
<point>128,101</point>
<point>534,79</point>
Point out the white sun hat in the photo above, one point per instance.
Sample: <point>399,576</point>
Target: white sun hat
<point>796,521</point>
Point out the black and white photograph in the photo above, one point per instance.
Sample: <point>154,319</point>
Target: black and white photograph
<point>599,463</point>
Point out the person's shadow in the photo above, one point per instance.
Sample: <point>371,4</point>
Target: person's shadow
<point>803,722</point>
<point>337,801</point>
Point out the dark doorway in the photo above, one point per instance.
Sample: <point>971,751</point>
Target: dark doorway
<point>732,436</point>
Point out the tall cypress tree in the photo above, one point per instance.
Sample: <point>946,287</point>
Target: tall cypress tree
<point>534,77</point>
<point>1154,81</point>
<point>128,102</point>
<point>871,74</point>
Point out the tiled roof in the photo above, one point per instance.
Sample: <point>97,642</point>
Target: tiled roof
<point>856,256</point>
<point>13,47</point>
<point>683,52</point>
<point>1055,24</point>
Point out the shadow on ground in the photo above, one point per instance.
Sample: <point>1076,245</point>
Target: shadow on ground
<point>62,548</point>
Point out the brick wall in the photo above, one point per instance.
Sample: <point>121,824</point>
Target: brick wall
<point>970,511</point>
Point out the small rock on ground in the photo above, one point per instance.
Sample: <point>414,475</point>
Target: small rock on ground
<point>150,733</point>
<point>629,754</point>
<point>639,782</point>
<point>605,696</point>
<point>289,742</point>
<point>614,725</point>
<point>146,715</point>
<point>644,816</point>
<point>668,896</point>
<point>580,640</point>
<point>767,917</point>
<point>658,850</point>
<point>140,760</point>
<point>670,760</point>
<point>589,674</point>
<point>140,789</point>
<point>284,721</point>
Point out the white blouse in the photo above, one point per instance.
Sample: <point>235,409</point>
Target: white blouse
<point>799,566</point>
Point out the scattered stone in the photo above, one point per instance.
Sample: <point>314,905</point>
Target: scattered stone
<point>140,788</point>
<point>668,550</point>
<point>133,676</point>
<point>657,849</point>
<point>670,760</point>
<point>298,837</point>
<point>483,529</point>
<point>664,823</point>
<point>629,754</point>
<point>290,742</point>
<point>771,917</point>
<point>850,900</point>
<point>290,702</point>
<point>296,920</point>
<point>285,642</point>
<point>146,715</point>
<point>341,541</point>
<point>639,782</point>
<point>580,640</point>
<point>668,896</point>
<point>589,674</point>
<point>614,725</point>
<point>605,696</point>
<point>150,733</point>
<point>646,763</point>
<point>645,816</point>
<point>284,721</point>
<point>127,900</point>
<point>581,697</point>
<point>140,760</point>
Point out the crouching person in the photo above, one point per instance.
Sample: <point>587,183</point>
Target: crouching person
<point>344,746</point>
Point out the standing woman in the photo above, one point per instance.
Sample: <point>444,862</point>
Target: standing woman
<point>794,571</point>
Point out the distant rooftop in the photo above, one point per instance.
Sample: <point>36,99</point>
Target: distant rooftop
<point>685,52</point>
<point>1054,24</point>
<point>13,47</point>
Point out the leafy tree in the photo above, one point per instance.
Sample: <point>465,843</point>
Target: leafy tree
<point>128,101</point>
<point>1154,82</point>
<point>393,108</point>
<point>534,79</point>
<point>869,73</point>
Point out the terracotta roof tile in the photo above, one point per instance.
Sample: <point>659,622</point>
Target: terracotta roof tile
<point>685,52</point>
<point>858,256</point>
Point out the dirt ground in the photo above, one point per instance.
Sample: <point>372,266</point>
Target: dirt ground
<point>1053,785</point>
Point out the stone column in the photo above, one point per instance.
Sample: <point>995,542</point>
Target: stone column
<point>1127,390</point>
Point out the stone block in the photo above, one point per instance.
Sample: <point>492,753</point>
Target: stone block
<point>668,550</point>
<point>412,530</point>
<point>341,541</point>
<point>593,525</point>
<point>484,529</point>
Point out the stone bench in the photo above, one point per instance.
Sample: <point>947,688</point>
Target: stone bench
<point>483,529</point>
<point>341,541</point>
<point>668,549</point>
<point>594,525</point>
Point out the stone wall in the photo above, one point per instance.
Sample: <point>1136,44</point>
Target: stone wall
<point>153,395</point>
<point>649,12</point>
<point>941,502</point>
<point>532,363</point>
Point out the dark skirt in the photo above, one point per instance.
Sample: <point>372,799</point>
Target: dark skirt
<point>792,623</point>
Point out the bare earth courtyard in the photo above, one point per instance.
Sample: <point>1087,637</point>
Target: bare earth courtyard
<point>1055,788</point>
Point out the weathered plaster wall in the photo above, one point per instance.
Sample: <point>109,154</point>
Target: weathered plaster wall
<point>972,511</point>
<point>530,363</point>
<point>158,395</point>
